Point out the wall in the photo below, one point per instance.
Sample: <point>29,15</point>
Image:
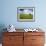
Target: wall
<point>8,13</point>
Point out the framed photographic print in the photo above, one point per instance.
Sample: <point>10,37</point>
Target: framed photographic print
<point>26,14</point>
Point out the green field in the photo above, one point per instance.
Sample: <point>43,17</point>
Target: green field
<point>26,16</point>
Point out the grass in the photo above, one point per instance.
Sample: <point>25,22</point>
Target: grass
<point>26,16</point>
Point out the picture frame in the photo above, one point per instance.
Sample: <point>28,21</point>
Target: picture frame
<point>26,14</point>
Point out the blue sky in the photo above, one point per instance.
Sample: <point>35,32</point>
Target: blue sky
<point>25,11</point>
